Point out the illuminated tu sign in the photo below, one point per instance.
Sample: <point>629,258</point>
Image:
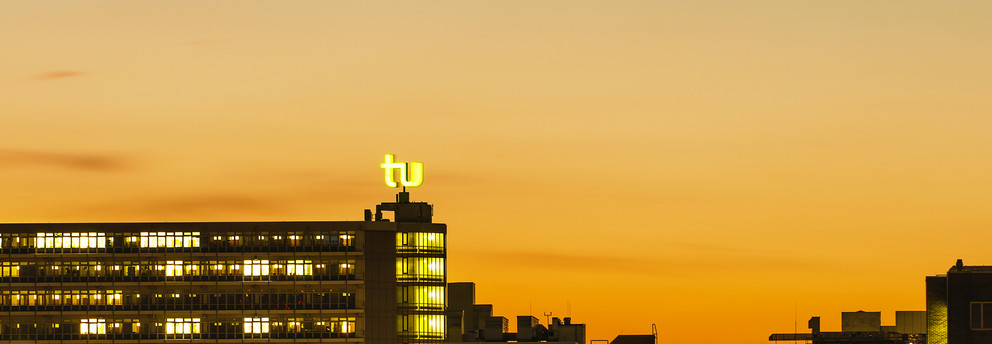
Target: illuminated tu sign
<point>411,173</point>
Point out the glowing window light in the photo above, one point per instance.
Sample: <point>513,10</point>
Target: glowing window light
<point>169,239</point>
<point>256,267</point>
<point>71,240</point>
<point>420,241</point>
<point>256,325</point>
<point>92,326</point>
<point>347,268</point>
<point>435,267</point>
<point>299,267</point>
<point>8,269</point>
<point>294,325</point>
<point>114,298</point>
<point>435,295</point>
<point>346,239</point>
<point>182,325</point>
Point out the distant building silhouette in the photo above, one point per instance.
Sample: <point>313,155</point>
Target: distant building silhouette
<point>635,339</point>
<point>470,322</point>
<point>865,328</point>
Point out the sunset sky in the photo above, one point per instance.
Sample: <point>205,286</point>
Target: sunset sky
<point>718,168</point>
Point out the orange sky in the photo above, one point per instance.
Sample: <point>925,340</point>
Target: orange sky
<point>716,168</point>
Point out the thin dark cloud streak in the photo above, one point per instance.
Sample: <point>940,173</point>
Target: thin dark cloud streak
<point>207,204</point>
<point>225,204</point>
<point>73,161</point>
<point>62,74</point>
<point>706,264</point>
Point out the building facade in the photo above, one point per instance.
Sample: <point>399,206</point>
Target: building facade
<point>373,281</point>
<point>956,305</point>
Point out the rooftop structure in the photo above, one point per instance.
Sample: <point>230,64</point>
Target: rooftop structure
<point>471,322</point>
<point>866,328</point>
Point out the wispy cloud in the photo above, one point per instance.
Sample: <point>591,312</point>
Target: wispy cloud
<point>58,75</point>
<point>199,205</point>
<point>76,161</point>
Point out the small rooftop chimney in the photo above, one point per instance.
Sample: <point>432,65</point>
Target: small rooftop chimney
<point>959,265</point>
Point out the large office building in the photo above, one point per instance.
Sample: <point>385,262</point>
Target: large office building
<point>372,281</point>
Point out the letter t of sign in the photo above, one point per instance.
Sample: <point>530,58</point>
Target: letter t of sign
<point>389,165</point>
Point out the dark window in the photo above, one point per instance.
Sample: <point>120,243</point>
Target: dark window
<point>976,315</point>
<point>987,315</point>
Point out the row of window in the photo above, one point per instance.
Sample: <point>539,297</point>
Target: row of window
<point>116,299</point>
<point>421,326</point>
<point>181,328</point>
<point>412,269</point>
<point>421,297</point>
<point>419,242</point>
<point>97,241</point>
<point>178,268</point>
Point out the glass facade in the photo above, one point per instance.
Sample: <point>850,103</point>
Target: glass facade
<point>420,273</point>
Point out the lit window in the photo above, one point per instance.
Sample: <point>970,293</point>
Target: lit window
<point>174,268</point>
<point>182,326</point>
<point>256,325</point>
<point>423,296</point>
<point>424,326</point>
<point>92,326</point>
<point>345,239</point>
<point>347,268</point>
<point>416,241</point>
<point>420,268</point>
<point>435,267</point>
<point>71,240</point>
<point>299,267</point>
<point>113,298</point>
<point>256,268</point>
<point>8,269</point>
<point>294,325</point>
<point>170,239</point>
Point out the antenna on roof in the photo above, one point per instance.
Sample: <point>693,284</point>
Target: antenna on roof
<point>654,331</point>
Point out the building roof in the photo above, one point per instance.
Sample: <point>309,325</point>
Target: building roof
<point>285,226</point>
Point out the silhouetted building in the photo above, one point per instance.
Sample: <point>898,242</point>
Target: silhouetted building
<point>227,282</point>
<point>866,328</point>
<point>959,305</point>
<point>470,322</point>
<point>634,339</point>
<point>861,321</point>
